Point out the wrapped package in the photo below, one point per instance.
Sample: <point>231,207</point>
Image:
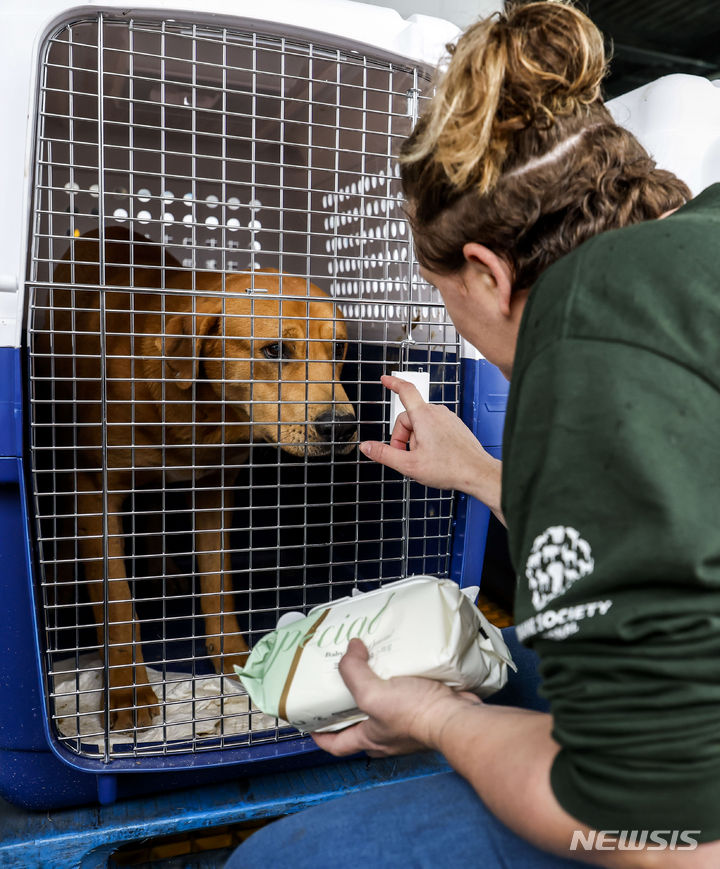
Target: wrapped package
<point>422,626</point>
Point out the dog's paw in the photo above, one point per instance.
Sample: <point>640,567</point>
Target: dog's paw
<point>133,708</point>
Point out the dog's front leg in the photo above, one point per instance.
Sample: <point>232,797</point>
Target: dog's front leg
<point>224,642</point>
<point>130,690</point>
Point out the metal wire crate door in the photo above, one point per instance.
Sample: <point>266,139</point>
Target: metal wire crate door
<point>172,160</point>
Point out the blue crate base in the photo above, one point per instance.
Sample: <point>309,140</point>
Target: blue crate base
<point>40,780</point>
<point>85,838</point>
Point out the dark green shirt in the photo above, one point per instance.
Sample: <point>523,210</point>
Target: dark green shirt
<point>611,492</point>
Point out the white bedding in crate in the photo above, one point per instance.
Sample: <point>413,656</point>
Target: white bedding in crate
<point>199,707</point>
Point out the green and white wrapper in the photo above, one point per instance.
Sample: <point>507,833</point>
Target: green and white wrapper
<point>422,626</point>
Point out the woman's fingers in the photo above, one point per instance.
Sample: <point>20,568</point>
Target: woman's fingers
<point>407,392</point>
<point>355,670</point>
<point>341,743</point>
<point>394,455</point>
<point>359,678</point>
<point>402,432</point>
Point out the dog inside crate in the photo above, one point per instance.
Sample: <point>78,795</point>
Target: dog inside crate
<point>217,219</point>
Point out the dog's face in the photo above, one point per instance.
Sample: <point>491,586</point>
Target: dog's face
<point>275,360</point>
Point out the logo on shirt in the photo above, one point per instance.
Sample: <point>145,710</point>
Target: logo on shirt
<point>558,558</point>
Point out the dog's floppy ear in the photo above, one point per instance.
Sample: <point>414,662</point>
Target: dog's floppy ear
<point>180,345</point>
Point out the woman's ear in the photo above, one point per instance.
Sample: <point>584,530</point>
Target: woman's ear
<point>496,267</point>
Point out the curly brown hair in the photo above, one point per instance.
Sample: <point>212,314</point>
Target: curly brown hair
<point>518,151</point>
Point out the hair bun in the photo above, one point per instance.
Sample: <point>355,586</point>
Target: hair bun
<point>522,68</point>
<point>556,59</point>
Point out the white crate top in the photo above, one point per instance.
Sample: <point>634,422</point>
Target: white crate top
<point>421,38</point>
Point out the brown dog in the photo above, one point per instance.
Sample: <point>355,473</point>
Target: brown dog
<point>177,387</point>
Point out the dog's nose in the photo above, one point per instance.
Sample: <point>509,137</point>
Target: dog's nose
<point>336,427</point>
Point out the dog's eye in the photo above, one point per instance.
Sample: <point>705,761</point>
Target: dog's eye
<point>278,350</point>
<point>340,348</point>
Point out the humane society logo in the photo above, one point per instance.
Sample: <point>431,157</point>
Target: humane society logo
<point>559,557</point>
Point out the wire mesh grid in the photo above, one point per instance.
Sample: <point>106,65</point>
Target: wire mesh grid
<point>220,273</point>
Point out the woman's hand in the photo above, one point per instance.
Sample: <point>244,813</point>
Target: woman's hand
<point>407,713</point>
<point>443,452</point>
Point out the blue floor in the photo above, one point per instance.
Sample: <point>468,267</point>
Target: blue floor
<point>85,838</point>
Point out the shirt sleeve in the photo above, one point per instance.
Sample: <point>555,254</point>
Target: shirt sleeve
<point>611,489</point>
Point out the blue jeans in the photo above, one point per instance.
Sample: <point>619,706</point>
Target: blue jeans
<point>428,822</point>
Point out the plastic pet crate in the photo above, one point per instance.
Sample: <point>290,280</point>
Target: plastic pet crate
<point>155,525</point>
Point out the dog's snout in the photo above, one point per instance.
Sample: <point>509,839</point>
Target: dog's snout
<point>332,426</point>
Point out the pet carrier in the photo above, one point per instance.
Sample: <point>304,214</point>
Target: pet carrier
<point>206,271</point>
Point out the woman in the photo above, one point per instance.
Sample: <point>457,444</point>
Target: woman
<point>581,270</point>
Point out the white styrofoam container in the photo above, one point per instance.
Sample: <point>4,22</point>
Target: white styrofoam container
<point>677,119</point>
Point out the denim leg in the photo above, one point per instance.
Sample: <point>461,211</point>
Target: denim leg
<point>428,822</point>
